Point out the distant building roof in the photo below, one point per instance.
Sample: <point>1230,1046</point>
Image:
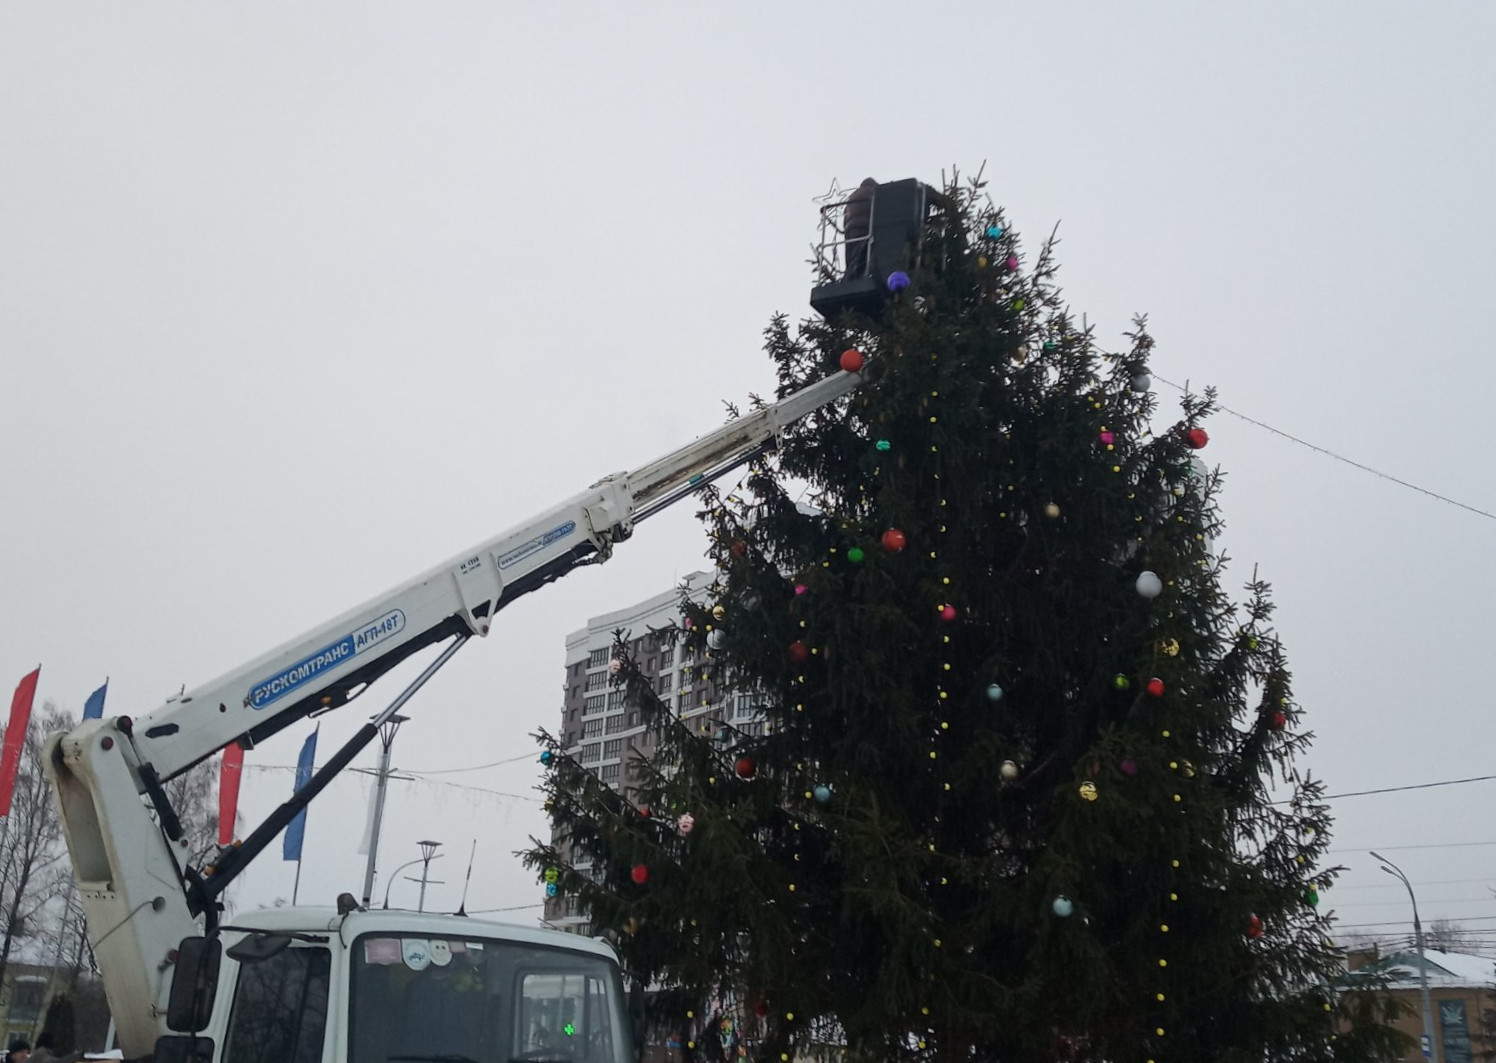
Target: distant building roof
<point>1445,969</point>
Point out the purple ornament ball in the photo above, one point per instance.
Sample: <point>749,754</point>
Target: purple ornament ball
<point>898,280</point>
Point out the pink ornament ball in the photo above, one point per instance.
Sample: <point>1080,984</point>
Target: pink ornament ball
<point>615,666</point>
<point>1129,766</point>
<point>947,612</point>
<point>686,823</point>
<point>800,589</point>
<point>1012,262</point>
<point>1108,438</point>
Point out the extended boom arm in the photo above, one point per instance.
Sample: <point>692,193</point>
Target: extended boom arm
<point>132,884</point>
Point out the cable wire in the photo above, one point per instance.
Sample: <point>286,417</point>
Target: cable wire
<point>1341,457</point>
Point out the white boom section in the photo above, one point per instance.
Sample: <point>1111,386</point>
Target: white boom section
<point>128,874</point>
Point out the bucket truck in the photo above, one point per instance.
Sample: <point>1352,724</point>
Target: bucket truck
<point>348,984</point>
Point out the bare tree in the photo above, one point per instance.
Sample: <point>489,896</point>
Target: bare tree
<point>32,868</point>
<point>1447,935</point>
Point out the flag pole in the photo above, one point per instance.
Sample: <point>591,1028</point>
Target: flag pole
<point>296,886</point>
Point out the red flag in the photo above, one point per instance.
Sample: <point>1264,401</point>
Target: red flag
<point>15,737</point>
<point>228,791</point>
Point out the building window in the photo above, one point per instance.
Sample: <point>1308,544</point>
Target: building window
<point>26,1000</point>
<point>615,700</point>
<point>667,656</point>
<point>592,728</point>
<point>609,773</point>
<point>651,667</point>
<point>613,747</point>
<point>597,658</point>
<point>596,681</point>
<point>594,704</point>
<point>634,718</point>
<point>683,700</point>
<point>615,724</point>
<point>667,682</point>
<point>592,753</point>
<point>687,676</point>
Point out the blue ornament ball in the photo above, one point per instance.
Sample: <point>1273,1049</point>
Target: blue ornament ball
<point>550,889</point>
<point>1062,906</point>
<point>994,232</point>
<point>994,693</point>
<point>898,280</point>
<point>545,756</point>
<point>822,793</point>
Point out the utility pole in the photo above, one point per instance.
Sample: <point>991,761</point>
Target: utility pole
<point>386,739</point>
<point>1430,1041</point>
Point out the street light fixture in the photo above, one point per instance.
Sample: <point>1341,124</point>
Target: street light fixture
<point>428,850</point>
<point>1430,1044</point>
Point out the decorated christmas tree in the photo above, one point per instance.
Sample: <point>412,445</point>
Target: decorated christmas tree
<point>1023,785</point>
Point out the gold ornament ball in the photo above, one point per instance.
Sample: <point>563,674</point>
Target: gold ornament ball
<point>718,612</point>
<point>1008,770</point>
<point>1170,647</point>
<point>1088,791</point>
<point>1051,510</point>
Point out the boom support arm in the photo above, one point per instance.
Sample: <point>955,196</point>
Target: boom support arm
<point>129,876</point>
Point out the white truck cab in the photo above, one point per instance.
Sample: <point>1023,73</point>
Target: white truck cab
<point>311,985</point>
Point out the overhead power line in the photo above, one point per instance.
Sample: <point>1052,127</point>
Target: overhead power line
<point>1341,457</point>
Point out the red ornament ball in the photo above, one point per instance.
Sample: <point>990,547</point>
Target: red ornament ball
<point>738,548</point>
<point>851,360</point>
<point>644,811</point>
<point>1197,438</point>
<point>1155,687</point>
<point>745,768</point>
<point>947,612</point>
<point>1254,926</point>
<point>798,653</point>
<point>760,1007</point>
<point>640,874</point>
<point>1278,720</point>
<point>894,540</point>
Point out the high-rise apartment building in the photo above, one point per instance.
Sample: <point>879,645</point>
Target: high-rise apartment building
<point>603,733</point>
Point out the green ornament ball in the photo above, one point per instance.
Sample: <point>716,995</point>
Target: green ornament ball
<point>855,554</point>
<point>1121,682</point>
<point>883,445</point>
<point>552,874</point>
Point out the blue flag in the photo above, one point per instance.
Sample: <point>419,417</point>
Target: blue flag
<point>93,708</point>
<point>291,847</point>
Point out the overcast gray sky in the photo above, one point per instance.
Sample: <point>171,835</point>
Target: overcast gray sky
<point>299,300</point>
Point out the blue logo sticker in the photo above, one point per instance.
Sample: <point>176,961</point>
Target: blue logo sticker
<point>330,656</point>
<point>540,542</point>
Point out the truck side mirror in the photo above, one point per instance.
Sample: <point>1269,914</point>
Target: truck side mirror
<point>180,1049</point>
<point>194,984</point>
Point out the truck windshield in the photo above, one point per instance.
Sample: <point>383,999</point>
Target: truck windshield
<point>484,1001</point>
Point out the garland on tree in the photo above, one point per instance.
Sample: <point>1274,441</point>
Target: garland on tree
<point>1020,791</point>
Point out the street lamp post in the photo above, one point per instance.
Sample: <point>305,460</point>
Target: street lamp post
<point>386,738</point>
<point>428,849</point>
<point>1431,1044</point>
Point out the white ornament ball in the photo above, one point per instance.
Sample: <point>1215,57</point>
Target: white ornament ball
<point>615,666</point>
<point>1051,510</point>
<point>686,824</point>
<point>715,639</point>
<point>994,693</point>
<point>1008,770</point>
<point>1062,906</point>
<point>1141,383</point>
<point>1149,585</point>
